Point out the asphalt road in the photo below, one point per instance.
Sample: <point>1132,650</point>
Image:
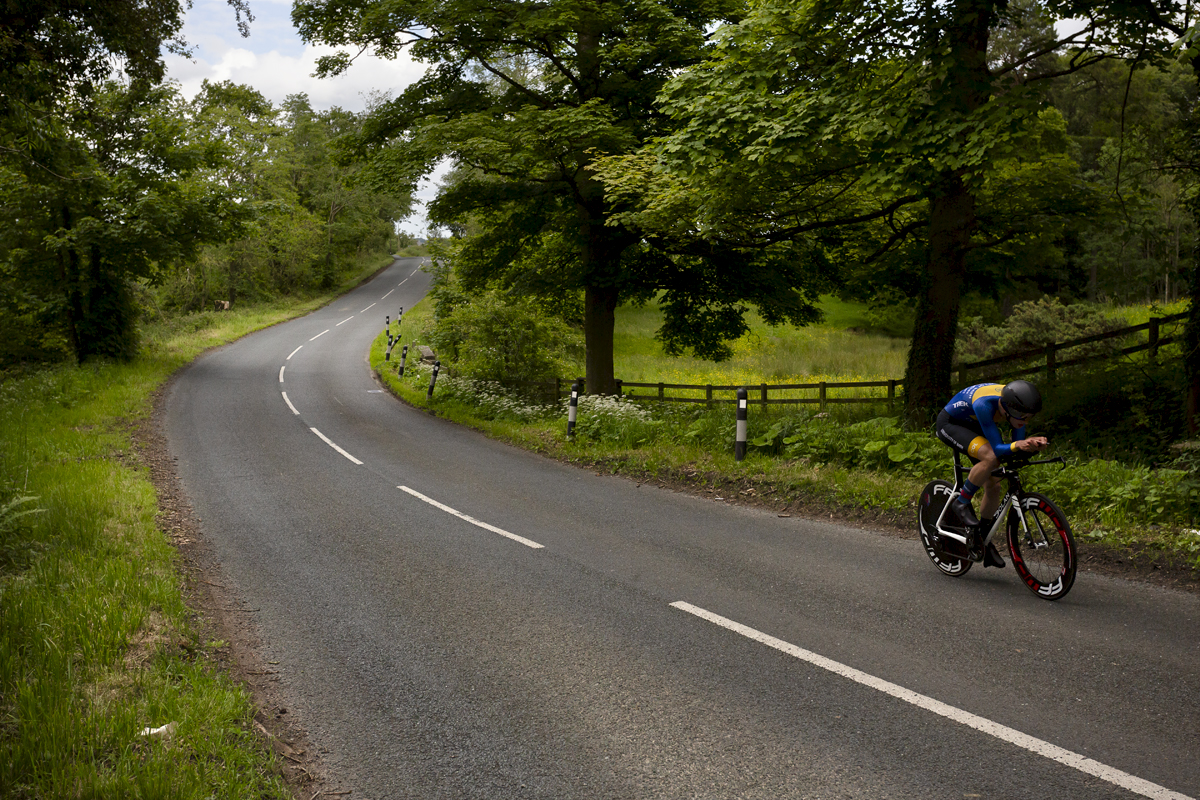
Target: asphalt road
<point>652,644</point>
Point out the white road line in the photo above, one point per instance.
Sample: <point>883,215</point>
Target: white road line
<point>289,402</point>
<point>1074,760</point>
<point>401,283</point>
<point>297,350</point>
<point>368,308</point>
<point>343,322</point>
<point>414,272</point>
<point>472,520</point>
<point>281,369</point>
<point>327,441</point>
<point>319,335</point>
<point>386,295</point>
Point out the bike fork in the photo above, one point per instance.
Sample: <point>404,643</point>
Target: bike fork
<point>1042,541</point>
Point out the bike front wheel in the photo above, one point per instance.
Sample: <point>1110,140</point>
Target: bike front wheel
<point>1042,547</point>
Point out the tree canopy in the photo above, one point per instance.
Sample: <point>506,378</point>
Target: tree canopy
<point>888,127</point>
<point>525,97</point>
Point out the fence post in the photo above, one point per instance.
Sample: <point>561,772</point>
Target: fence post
<point>1051,363</point>
<point>739,443</point>
<point>403,355</point>
<point>891,395</point>
<point>437,365</point>
<point>387,325</point>
<point>821,396</point>
<point>572,410</point>
<point>1154,321</point>
<point>660,391</point>
<point>962,375</point>
<point>708,394</point>
<point>763,390</point>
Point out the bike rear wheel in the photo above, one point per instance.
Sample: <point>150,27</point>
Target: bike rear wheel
<point>1042,549</point>
<point>933,499</point>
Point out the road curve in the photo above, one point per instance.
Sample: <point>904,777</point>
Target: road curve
<point>455,618</point>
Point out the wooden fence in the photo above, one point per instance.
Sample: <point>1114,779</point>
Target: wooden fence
<point>1045,360</point>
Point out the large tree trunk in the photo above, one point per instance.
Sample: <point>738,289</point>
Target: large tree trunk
<point>68,274</point>
<point>599,318</point>
<point>927,377</point>
<point>965,88</point>
<point>1191,337</point>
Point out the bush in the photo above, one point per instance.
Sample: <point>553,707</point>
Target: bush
<point>1132,411</point>
<point>498,338</point>
<point>1032,325</point>
<point>877,443</point>
<point>611,420</point>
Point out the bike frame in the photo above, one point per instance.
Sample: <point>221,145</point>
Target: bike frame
<point>1010,502</point>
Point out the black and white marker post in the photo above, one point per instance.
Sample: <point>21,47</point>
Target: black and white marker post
<point>393,342</point>
<point>572,410</point>
<point>437,365</point>
<point>403,355</point>
<point>739,445</point>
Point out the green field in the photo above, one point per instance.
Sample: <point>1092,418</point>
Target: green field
<point>837,350</point>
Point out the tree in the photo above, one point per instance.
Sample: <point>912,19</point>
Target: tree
<point>525,97</point>
<point>854,116</point>
<point>114,199</point>
<point>95,165</point>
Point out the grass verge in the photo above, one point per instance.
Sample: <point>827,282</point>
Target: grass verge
<point>96,643</point>
<point>851,464</point>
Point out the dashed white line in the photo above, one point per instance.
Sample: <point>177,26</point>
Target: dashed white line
<point>319,335</point>
<point>386,295</point>
<point>343,322</point>
<point>470,519</point>
<point>1089,766</point>
<point>297,350</point>
<point>329,442</point>
<point>368,308</point>
<point>289,402</point>
<point>401,283</point>
<point>281,369</point>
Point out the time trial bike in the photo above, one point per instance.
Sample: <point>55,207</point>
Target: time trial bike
<point>1039,537</point>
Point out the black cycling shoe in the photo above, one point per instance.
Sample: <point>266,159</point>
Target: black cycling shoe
<point>991,557</point>
<point>963,515</point>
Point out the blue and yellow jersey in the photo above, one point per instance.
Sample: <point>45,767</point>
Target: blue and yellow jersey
<point>979,404</point>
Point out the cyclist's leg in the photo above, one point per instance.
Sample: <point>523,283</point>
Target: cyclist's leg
<point>981,475</point>
<point>969,440</point>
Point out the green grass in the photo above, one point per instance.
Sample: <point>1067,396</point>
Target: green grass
<point>95,639</point>
<point>837,462</point>
<point>834,351</point>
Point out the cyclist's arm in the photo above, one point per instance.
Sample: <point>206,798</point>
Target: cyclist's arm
<point>984,411</point>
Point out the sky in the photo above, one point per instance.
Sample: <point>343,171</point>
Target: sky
<point>275,61</point>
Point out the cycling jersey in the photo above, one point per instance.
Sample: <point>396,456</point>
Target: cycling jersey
<point>976,406</point>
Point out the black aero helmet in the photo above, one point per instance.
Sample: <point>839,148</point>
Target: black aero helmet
<point>1021,397</point>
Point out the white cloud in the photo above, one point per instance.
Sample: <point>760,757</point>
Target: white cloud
<point>277,75</point>
<point>275,61</point>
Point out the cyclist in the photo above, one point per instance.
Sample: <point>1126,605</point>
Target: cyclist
<point>968,424</point>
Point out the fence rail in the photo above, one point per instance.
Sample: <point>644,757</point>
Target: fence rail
<point>1047,357</point>
<point>760,394</point>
